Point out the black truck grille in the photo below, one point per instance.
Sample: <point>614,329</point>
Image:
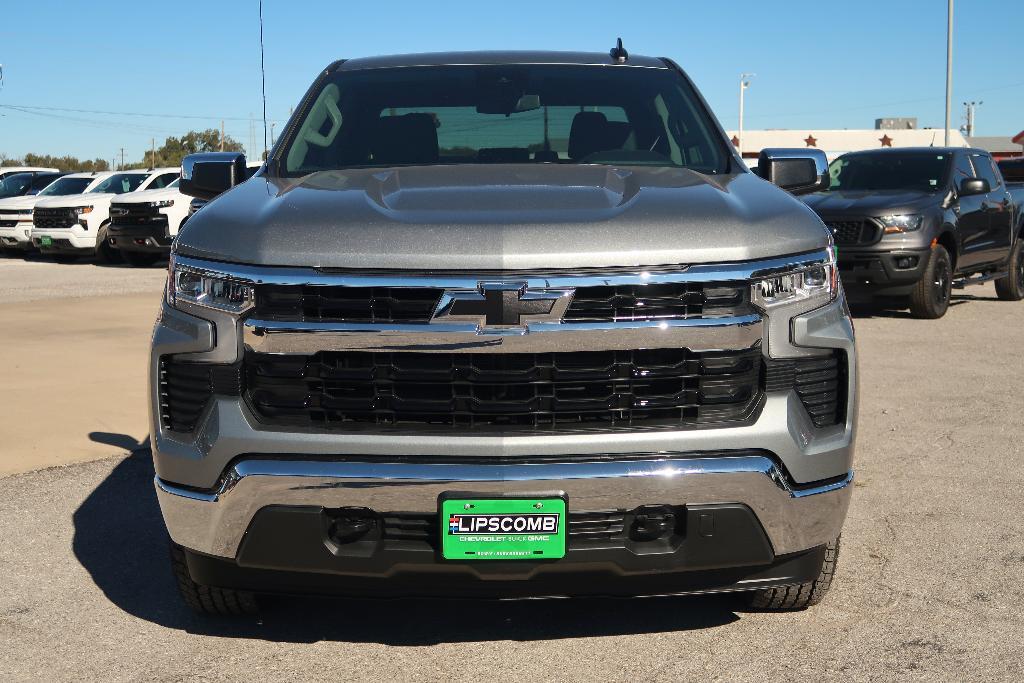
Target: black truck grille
<point>53,219</point>
<point>8,224</point>
<point>853,232</point>
<point>602,526</point>
<point>819,382</point>
<point>127,215</point>
<point>505,392</point>
<point>319,303</point>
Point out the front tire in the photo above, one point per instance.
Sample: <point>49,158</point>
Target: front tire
<point>930,298</point>
<point>1011,287</point>
<point>104,252</point>
<point>802,595</point>
<point>209,600</point>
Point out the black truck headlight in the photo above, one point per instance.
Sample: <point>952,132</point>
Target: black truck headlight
<point>207,288</point>
<point>901,223</point>
<point>162,204</point>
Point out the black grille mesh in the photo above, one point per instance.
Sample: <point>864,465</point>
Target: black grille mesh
<point>606,389</point>
<point>187,388</point>
<point>819,382</point>
<point>53,219</point>
<point>319,303</point>
<point>126,215</point>
<point>853,232</point>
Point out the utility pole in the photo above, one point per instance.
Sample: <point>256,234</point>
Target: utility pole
<point>949,64</point>
<point>271,133</point>
<point>222,135</point>
<point>152,154</point>
<point>744,84</point>
<point>122,160</point>
<point>972,107</point>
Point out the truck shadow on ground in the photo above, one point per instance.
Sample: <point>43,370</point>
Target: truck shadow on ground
<point>119,538</point>
<point>859,311</point>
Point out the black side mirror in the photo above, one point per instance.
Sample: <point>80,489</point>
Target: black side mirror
<point>208,174</point>
<point>973,186</point>
<point>798,171</point>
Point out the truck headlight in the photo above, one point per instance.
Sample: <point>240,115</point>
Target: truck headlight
<point>79,211</point>
<point>812,284</point>
<point>901,223</point>
<point>207,288</point>
<point>162,204</point>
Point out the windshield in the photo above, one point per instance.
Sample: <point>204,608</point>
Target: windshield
<point>504,114</point>
<point>922,171</point>
<point>66,186</point>
<point>120,183</point>
<point>15,185</point>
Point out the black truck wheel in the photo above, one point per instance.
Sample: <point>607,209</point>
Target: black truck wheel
<point>1011,287</point>
<point>930,296</point>
<point>209,599</point>
<point>105,253</point>
<point>802,595</point>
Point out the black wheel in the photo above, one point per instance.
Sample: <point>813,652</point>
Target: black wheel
<point>1011,287</point>
<point>802,595</point>
<point>209,599</point>
<point>930,297</point>
<point>139,259</point>
<point>105,253</point>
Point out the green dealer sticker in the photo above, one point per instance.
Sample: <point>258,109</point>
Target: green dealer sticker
<point>503,528</point>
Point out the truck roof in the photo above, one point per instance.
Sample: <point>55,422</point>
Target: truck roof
<point>912,150</point>
<point>484,57</point>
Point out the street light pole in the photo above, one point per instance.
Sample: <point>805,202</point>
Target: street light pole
<point>744,84</point>
<point>949,66</point>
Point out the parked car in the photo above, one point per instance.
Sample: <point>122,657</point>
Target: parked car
<point>143,224</point>
<point>913,224</point>
<point>11,170</point>
<point>430,349</point>
<point>77,225</point>
<point>16,212</point>
<point>198,202</point>
<point>28,183</point>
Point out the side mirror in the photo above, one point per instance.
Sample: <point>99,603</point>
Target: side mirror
<point>208,174</point>
<point>798,171</point>
<point>973,186</point>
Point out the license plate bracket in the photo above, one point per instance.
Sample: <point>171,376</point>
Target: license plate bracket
<point>486,527</point>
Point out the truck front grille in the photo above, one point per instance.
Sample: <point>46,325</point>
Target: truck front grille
<point>505,392</point>
<point>127,215</point>
<point>854,232</point>
<point>672,301</point>
<point>53,219</point>
<point>187,388</point>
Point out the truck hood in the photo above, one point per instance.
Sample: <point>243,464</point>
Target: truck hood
<point>871,203</point>
<point>507,217</point>
<point>143,196</point>
<point>68,200</point>
<point>24,202</point>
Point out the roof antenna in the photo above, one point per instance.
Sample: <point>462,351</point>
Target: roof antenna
<point>263,76</point>
<point>618,53</point>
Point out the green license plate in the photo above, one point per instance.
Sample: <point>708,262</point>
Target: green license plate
<point>502,528</point>
<point>46,241</point>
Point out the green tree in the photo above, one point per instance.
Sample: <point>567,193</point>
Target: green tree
<point>65,163</point>
<point>175,149</point>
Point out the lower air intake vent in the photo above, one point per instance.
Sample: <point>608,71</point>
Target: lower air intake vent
<point>819,382</point>
<point>186,389</point>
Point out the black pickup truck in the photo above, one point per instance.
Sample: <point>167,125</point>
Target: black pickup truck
<point>910,225</point>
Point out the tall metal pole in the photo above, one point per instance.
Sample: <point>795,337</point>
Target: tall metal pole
<point>949,66</point>
<point>744,84</point>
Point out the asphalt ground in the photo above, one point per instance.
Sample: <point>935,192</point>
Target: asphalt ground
<point>929,586</point>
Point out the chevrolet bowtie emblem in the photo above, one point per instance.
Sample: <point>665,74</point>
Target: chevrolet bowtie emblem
<point>502,304</point>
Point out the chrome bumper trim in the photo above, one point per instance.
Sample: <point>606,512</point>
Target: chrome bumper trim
<point>698,334</point>
<point>214,522</point>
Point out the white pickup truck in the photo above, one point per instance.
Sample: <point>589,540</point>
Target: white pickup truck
<point>16,212</point>
<point>11,170</point>
<point>76,225</point>
<point>143,224</point>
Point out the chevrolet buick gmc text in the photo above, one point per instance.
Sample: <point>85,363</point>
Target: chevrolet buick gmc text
<point>503,324</point>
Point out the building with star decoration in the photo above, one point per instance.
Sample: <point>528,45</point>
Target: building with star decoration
<point>837,142</point>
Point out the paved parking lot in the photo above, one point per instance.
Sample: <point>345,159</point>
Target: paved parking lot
<point>929,585</point>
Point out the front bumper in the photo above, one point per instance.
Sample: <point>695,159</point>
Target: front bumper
<point>17,236</point>
<point>151,239</point>
<point>73,240</point>
<point>882,272</point>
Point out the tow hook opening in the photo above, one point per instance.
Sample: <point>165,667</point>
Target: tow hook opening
<point>652,522</point>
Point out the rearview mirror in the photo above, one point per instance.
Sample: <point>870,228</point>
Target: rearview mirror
<point>973,186</point>
<point>798,171</point>
<point>209,174</point>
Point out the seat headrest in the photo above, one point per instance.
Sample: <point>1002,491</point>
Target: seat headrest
<point>588,134</point>
<point>405,139</point>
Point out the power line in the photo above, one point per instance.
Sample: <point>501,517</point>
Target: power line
<point>124,113</point>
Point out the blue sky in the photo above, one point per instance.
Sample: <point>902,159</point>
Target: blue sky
<point>187,64</point>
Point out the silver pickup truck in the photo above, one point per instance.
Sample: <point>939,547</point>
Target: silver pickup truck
<point>503,324</point>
